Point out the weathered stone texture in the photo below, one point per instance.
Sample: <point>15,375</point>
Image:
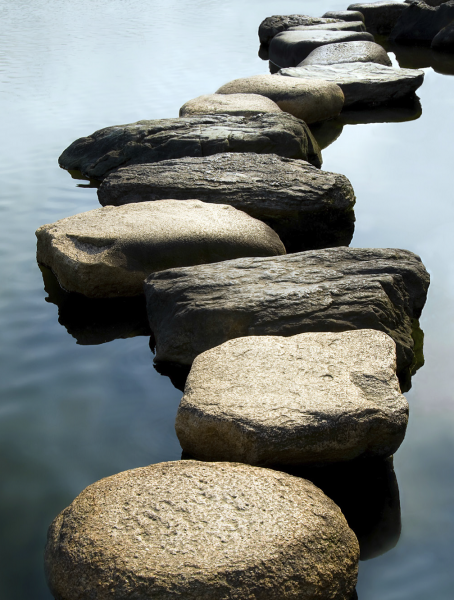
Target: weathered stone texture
<point>380,17</point>
<point>240,105</point>
<point>271,26</point>
<point>420,23</point>
<point>348,52</point>
<point>344,15</point>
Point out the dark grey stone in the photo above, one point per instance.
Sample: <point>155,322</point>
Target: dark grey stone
<point>153,141</point>
<point>289,48</point>
<point>344,15</point>
<point>342,26</point>
<point>420,23</point>
<point>338,289</point>
<point>271,26</point>
<point>444,40</point>
<point>380,17</point>
<point>348,52</point>
<point>367,84</point>
<point>307,207</point>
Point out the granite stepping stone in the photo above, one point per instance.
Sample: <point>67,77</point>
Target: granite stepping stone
<point>380,17</point>
<point>271,26</point>
<point>348,52</point>
<point>240,105</point>
<point>344,15</point>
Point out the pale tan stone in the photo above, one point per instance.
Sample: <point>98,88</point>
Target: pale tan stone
<point>201,531</point>
<point>235,104</point>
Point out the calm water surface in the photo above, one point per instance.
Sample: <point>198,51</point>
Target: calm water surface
<point>72,413</point>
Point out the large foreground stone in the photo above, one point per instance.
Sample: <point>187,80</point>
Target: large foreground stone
<point>108,252</point>
<point>311,101</point>
<point>201,531</point>
<point>364,83</point>
<point>271,26</point>
<point>444,40</point>
<point>348,52</point>
<point>344,15</point>
<point>380,17</point>
<point>289,48</point>
<point>244,105</point>
<point>310,398</point>
<point>307,207</point>
<point>420,23</point>
<point>194,309</point>
<point>152,141</point>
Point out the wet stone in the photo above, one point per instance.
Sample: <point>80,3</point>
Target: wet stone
<point>201,531</point>
<point>235,104</point>
<point>307,207</point>
<point>289,48</point>
<point>313,398</point>
<point>152,141</point>
<point>444,40</point>
<point>367,84</point>
<point>338,289</point>
<point>271,26</point>
<point>108,252</point>
<point>380,17</point>
<point>348,52</point>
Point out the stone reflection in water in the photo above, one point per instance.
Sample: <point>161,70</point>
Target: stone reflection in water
<point>177,373</point>
<point>422,57</point>
<point>93,321</point>
<point>92,183</point>
<point>368,494</point>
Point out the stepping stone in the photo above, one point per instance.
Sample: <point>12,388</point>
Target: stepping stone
<point>195,309</point>
<point>420,23</point>
<point>190,529</point>
<point>367,84</point>
<point>108,252</point>
<point>271,26</point>
<point>313,398</point>
<point>348,52</point>
<point>289,48</point>
<point>306,207</point>
<point>152,141</point>
<point>380,17</point>
<point>444,40</point>
<point>311,101</point>
<point>342,26</point>
<point>344,15</point>
<point>242,105</point>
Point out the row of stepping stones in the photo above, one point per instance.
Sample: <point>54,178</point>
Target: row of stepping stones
<point>294,358</point>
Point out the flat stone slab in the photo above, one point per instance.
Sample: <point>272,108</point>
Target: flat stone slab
<point>152,141</point>
<point>348,52</point>
<point>307,207</point>
<point>420,23</point>
<point>195,309</point>
<point>380,17</point>
<point>271,26</point>
<point>289,48</point>
<point>108,252</point>
<point>242,105</point>
<point>342,26</point>
<point>367,84</point>
<point>311,101</point>
<point>201,531</point>
<point>344,15</point>
<point>313,398</point>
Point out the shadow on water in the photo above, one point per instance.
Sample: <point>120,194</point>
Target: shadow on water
<point>92,321</point>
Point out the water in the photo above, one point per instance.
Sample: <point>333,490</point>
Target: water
<point>71,413</point>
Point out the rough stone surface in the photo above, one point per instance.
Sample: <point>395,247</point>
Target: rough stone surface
<point>271,26</point>
<point>152,141</point>
<point>348,52</point>
<point>420,23</point>
<point>194,309</point>
<point>311,101</point>
<point>201,531</point>
<point>307,207</point>
<point>108,252</point>
<point>342,26</point>
<point>344,15</point>
<point>289,48</point>
<point>364,83</point>
<point>243,105</point>
<point>444,40</point>
<point>380,17</point>
<point>311,398</point>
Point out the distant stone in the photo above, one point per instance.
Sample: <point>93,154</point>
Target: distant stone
<point>380,17</point>
<point>241,105</point>
<point>198,530</point>
<point>313,398</point>
<point>307,207</point>
<point>344,15</point>
<point>311,101</point>
<point>342,26</point>
<point>289,48</point>
<point>429,2</point>
<point>348,52</point>
<point>367,84</point>
<point>420,23</point>
<point>152,141</point>
<point>444,40</point>
<point>195,309</point>
<point>108,252</point>
<point>271,26</point>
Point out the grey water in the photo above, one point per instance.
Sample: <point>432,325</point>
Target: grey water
<point>72,413</point>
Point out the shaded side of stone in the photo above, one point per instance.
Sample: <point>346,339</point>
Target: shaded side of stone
<point>420,23</point>
<point>380,17</point>
<point>444,40</point>
<point>344,15</point>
